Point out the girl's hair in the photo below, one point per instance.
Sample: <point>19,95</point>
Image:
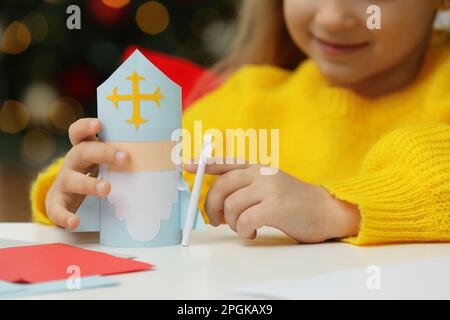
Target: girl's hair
<point>261,38</point>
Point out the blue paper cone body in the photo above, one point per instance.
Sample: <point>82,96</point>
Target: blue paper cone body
<point>139,104</point>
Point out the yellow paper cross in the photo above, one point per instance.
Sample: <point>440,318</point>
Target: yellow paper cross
<point>136,97</point>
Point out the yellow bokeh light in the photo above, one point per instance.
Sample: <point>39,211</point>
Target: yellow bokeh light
<point>38,146</point>
<point>16,38</point>
<point>116,4</point>
<point>152,17</point>
<point>38,97</point>
<point>65,111</point>
<point>14,116</point>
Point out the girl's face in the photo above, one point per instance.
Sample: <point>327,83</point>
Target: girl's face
<point>334,33</point>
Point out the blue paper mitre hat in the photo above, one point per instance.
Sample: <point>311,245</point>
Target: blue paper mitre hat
<point>138,102</point>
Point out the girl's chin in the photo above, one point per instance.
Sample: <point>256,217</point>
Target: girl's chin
<point>341,77</point>
<point>341,83</point>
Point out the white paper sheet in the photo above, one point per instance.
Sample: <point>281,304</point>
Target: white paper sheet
<point>421,279</point>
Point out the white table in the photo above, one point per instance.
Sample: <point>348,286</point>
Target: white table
<point>218,262</point>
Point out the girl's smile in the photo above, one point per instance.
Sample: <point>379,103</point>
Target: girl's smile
<point>370,62</point>
<point>337,50</point>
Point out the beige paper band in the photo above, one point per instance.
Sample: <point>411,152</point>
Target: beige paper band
<point>145,156</point>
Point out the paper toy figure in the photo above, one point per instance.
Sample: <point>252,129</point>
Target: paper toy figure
<point>139,108</point>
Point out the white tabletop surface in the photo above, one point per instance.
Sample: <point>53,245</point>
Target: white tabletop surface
<point>217,262</point>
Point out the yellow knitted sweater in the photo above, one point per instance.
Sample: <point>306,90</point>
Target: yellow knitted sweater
<point>390,155</point>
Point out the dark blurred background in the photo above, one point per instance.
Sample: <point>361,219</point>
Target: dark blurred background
<point>49,74</point>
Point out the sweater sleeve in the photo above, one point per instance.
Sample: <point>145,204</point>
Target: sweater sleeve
<point>403,187</point>
<point>39,191</point>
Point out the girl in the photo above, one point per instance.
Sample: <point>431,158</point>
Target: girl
<point>364,127</point>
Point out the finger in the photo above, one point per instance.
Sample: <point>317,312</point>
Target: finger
<point>84,129</point>
<point>218,166</point>
<point>239,201</point>
<point>76,182</point>
<point>60,216</point>
<point>251,220</point>
<point>87,153</point>
<point>222,187</point>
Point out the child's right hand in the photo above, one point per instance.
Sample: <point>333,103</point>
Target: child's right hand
<point>77,176</point>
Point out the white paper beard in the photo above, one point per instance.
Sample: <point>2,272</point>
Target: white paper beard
<point>143,200</point>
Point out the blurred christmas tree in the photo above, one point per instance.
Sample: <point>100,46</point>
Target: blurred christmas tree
<point>48,73</point>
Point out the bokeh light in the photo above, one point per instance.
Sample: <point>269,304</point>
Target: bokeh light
<point>106,14</point>
<point>38,98</point>
<point>214,44</point>
<point>64,112</point>
<point>16,38</point>
<point>152,17</point>
<point>442,21</point>
<point>14,116</point>
<point>37,146</point>
<point>116,4</point>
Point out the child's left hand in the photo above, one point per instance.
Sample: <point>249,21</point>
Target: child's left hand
<point>248,200</point>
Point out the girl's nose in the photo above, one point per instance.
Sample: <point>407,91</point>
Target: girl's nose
<point>336,15</point>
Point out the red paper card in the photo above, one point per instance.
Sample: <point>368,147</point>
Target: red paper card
<point>39,263</point>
